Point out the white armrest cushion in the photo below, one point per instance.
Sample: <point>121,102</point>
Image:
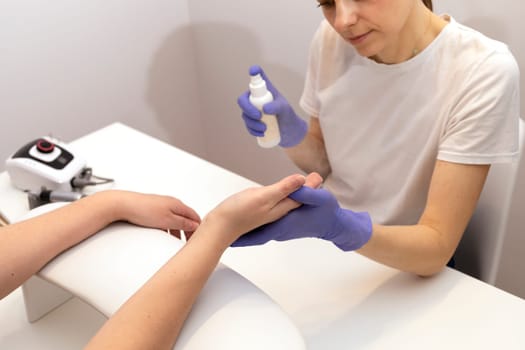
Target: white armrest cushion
<point>230,313</point>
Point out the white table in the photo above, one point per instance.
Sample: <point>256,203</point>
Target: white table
<point>338,300</point>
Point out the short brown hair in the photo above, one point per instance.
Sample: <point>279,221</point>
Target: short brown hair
<point>428,3</point>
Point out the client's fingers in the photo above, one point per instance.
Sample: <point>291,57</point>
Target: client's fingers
<point>279,193</point>
<point>174,233</point>
<point>188,234</point>
<point>182,211</point>
<point>311,196</point>
<point>184,224</point>
<point>281,189</point>
<point>313,180</point>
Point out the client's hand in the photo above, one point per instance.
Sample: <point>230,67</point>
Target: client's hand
<point>157,211</point>
<point>254,207</point>
<point>320,216</point>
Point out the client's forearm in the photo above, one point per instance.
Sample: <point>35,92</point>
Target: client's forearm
<point>25,247</point>
<point>153,317</point>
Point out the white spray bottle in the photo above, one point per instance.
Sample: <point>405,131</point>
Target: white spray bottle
<point>259,96</point>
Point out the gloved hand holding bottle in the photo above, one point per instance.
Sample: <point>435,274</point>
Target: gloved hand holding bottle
<point>292,128</point>
<point>320,216</point>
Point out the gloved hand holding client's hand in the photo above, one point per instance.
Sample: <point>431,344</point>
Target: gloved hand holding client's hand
<point>320,216</point>
<point>292,127</point>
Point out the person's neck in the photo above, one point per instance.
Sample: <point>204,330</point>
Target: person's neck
<point>420,29</point>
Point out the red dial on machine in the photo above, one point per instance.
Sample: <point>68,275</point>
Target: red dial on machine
<point>44,146</point>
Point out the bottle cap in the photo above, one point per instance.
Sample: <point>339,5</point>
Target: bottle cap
<point>257,86</point>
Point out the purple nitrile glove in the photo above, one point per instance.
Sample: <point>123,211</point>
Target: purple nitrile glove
<point>291,127</point>
<point>320,216</point>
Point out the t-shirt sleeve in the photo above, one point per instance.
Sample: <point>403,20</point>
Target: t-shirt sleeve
<point>483,127</point>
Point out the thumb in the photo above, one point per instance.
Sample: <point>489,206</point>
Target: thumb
<point>277,195</point>
<point>312,196</point>
<point>282,189</point>
<point>274,107</point>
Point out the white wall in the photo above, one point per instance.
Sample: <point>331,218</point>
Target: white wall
<point>70,67</point>
<point>230,36</point>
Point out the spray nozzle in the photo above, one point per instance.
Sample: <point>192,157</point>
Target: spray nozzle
<point>257,86</point>
<point>256,79</point>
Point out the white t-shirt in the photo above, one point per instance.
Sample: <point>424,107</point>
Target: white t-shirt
<point>384,126</point>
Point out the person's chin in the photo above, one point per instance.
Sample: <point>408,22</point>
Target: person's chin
<point>366,52</point>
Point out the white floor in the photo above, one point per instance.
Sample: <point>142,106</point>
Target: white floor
<point>68,327</point>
